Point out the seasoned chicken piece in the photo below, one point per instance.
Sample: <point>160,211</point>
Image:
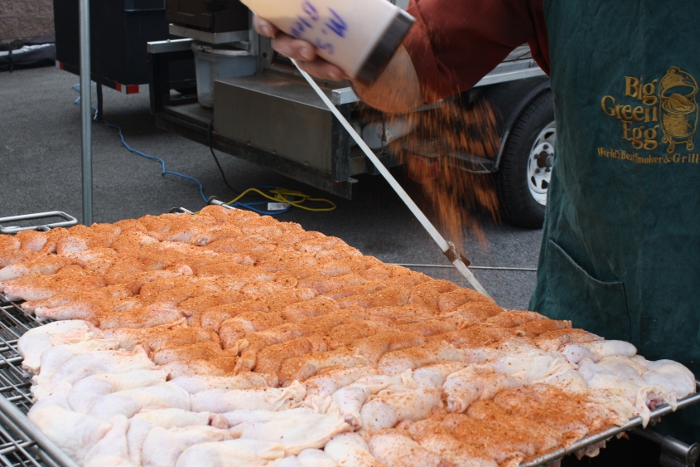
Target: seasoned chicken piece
<point>534,328</point>
<point>213,317</point>
<point>355,290</point>
<point>477,312</point>
<point>511,319</point>
<point>349,449</point>
<point>388,296</point>
<point>227,400</point>
<point>450,301</point>
<point>12,256</point>
<point>234,329</point>
<point>131,241</point>
<point>130,401</point>
<point>30,240</point>
<point>157,338</point>
<point>36,341</point>
<point>111,450</point>
<point>142,423</point>
<point>465,387</point>
<point>507,447</point>
<point>85,392</point>
<point>43,265</point>
<point>232,453</point>
<point>199,383</point>
<point>399,361</point>
<point>38,287</point>
<point>394,449</point>
<point>205,350</point>
<point>162,447</point>
<point>346,334</point>
<point>214,233</point>
<point>312,308</point>
<point>326,383</point>
<point>402,315</point>
<point>431,435</point>
<point>155,314</point>
<point>304,367</point>
<point>298,430</point>
<point>428,293</point>
<point>520,401</point>
<point>435,327</point>
<point>271,358</point>
<point>397,403</point>
<point>110,292</point>
<point>350,399</point>
<point>551,341</point>
<point>478,335</point>
<point>433,376</point>
<point>222,366</point>
<point>543,438</point>
<point>72,432</point>
<point>324,284</point>
<point>374,347</point>
<point>89,307</point>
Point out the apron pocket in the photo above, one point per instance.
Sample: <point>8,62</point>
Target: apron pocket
<point>596,306</point>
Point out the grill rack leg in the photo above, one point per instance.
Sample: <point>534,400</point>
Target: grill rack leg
<point>674,453</point>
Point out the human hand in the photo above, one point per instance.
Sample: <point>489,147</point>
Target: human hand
<point>303,52</point>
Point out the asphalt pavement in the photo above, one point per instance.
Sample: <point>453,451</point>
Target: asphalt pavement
<point>40,170</point>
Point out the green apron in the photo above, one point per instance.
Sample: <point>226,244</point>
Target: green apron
<point>620,251</point>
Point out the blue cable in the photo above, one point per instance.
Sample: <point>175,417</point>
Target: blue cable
<point>164,171</point>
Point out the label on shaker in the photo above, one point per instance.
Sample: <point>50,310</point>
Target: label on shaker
<point>359,36</point>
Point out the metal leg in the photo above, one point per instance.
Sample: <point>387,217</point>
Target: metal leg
<point>674,453</point>
<point>99,116</point>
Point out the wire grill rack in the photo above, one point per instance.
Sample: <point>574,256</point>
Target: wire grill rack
<point>18,445</point>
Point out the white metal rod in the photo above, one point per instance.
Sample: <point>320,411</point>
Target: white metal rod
<point>86,110</point>
<point>425,222</point>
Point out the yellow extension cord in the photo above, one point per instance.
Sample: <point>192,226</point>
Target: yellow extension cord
<point>293,198</point>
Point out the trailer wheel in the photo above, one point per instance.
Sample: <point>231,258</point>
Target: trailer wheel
<point>525,168</point>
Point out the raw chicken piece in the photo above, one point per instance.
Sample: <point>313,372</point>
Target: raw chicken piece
<point>226,400</point>
<point>142,423</point>
<point>130,401</point>
<point>325,384</point>
<point>199,383</point>
<point>431,435</point>
<point>43,265</point>
<point>112,449</point>
<point>351,398</point>
<point>222,366</point>
<point>532,365</point>
<point>162,447</point>
<point>159,337</point>
<point>232,453</point>
<point>397,403</point>
<point>676,379</point>
<point>433,376</point>
<point>53,360</point>
<point>237,417</point>
<point>520,402</point>
<point>301,368</point>
<point>74,433</point>
<point>597,350</point>
<point>297,431</point>
<point>88,390</point>
<point>394,449</point>
<point>467,386</point>
<point>36,341</point>
<point>543,438</point>
<point>552,341</point>
<point>315,458</point>
<point>82,366</point>
<point>399,361</point>
<point>350,450</point>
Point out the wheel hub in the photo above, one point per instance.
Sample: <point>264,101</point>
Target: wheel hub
<point>539,168</point>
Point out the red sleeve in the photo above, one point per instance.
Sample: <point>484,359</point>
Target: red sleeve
<point>454,43</point>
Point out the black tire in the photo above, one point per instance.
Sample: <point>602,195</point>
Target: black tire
<point>518,190</point>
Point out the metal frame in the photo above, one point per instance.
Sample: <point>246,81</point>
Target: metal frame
<point>69,221</point>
